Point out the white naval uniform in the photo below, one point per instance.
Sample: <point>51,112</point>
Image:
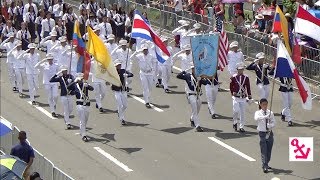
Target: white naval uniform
<point>19,65</point>
<point>211,94</point>
<point>110,48</point>
<point>99,85</point>
<point>32,73</point>
<point>105,29</point>
<point>194,101</point>
<point>46,27</point>
<point>62,58</point>
<point>126,62</point>
<point>186,61</point>
<point>10,59</point>
<point>184,40</point>
<point>50,45</point>
<point>165,69</point>
<point>233,59</point>
<point>147,64</point>
<point>51,88</point>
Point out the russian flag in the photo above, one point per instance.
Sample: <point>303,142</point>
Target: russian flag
<point>142,29</point>
<point>307,24</point>
<point>286,68</point>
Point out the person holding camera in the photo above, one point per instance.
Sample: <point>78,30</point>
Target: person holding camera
<point>266,121</point>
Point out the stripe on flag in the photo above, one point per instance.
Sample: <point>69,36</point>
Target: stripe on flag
<point>223,49</point>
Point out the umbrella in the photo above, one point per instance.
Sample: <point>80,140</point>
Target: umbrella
<point>11,168</point>
<point>315,13</point>
<point>5,127</point>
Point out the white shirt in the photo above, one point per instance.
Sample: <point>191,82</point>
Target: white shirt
<point>57,9</point>
<point>8,46</point>
<point>62,57</point>
<point>7,30</point>
<point>194,83</point>
<point>49,44</point>
<point>93,72</point>
<point>49,71</point>
<point>121,56</point>
<point>179,6</point>
<point>23,34</point>
<point>186,61</point>
<point>101,36</point>
<point>184,40</point>
<point>105,28</point>
<point>19,62</point>
<point>31,61</point>
<point>110,48</point>
<point>233,59</point>
<point>101,12</point>
<point>29,17</point>
<point>91,23</point>
<point>69,17</point>
<point>47,25</point>
<point>147,63</point>
<point>260,116</point>
<point>26,9</point>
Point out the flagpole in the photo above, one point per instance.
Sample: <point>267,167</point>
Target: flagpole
<point>72,48</point>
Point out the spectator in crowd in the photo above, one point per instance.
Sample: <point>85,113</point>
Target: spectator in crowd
<point>26,8</point>
<point>82,19</point>
<point>38,21</point>
<point>102,11</point>
<point>30,19</point>
<point>238,22</point>
<point>23,151</point>
<point>83,5</point>
<point>11,10</point>
<point>219,14</point>
<point>178,7</point>
<point>18,14</point>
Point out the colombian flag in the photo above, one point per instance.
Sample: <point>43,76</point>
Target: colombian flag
<point>280,25</point>
<point>105,70</point>
<point>84,57</point>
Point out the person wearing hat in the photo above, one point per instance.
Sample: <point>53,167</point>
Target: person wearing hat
<point>166,67</point>
<point>261,23</point>
<point>96,30</point>
<point>24,35</point>
<point>195,30</point>
<point>19,65</point>
<point>241,93</point>
<point>71,55</point>
<point>120,93</point>
<point>91,21</point>
<point>261,69</point>
<point>69,19</point>
<point>147,65</point>
<point>212,88</point>
<point>180,32</point>
<point>64,79</point>
<point>7,30</point>
<point>286,89</point>
<point>111,45</point>
<point>186,58</point>
<point>81,90</point>
<point>50,43</point>
<point>105,27</point>
<point>60,28</point>
<point>193,88</point>
<point>32,58</point>
<point>99,85</point>
<point>49,70</point>
<point>61,52</point>
<point>8,45</point>
<point>47,25</point>
<point>234,57</point>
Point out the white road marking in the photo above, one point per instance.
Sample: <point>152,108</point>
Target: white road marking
<point>231,149</point>
<point>176,68</point>
<point>142,101</point>
<point>41,109</point>
<point>111,158</point>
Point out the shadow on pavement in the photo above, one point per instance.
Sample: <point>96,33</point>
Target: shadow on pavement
<point>110,137</point>
<point>138,95</point>
<point>177,92</point>
<point>93,139</point>
<point>314,122</point>
<point>251,126</point>
<point>92,100</point>
<point>108,111</point>
<point>295,124</point>
<point>131,150</point>
<point>219,116</point>
<point>235,135</point>
<point>161,106</point>
<point>136,124</point>
<point>42,104</point>
<point>177,130</point>
<point>172,87</point>
<point>211,130</point>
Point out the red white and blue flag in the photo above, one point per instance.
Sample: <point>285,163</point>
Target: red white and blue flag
<point>286,68</point>
<point>142,29</point>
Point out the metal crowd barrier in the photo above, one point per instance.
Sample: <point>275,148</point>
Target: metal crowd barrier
<point>41,164</point>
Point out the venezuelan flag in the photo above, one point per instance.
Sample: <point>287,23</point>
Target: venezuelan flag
<point>98,50</point>
<point>280,25</point>
<point>84,57</point>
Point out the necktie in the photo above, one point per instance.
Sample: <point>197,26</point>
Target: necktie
<point>49,25</point>
<point>265,113</point>
<point>105,28</point>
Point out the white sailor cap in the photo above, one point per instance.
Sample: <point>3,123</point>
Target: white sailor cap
<point>260,55</point>
<point>116,63</point>
<point>32,46</point>
<point>49,56</point>
<point>19,43</point>
<point>110,37</point>
<point>79,75</point>
<point>53,33</point>
<point>63,39</point>
<point>11,34</point>
<point>123,42</point>
<point>185,23</point>
<point>241,65</point>
<point>259,16</point>
<point>63,68</point>
<point>186,47</point>
<point>197,26</point>
<point>97,28</point>
<point>234,44</point>
<point>144,46</point>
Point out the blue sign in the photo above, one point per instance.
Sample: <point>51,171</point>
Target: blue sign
<point>205,54</point>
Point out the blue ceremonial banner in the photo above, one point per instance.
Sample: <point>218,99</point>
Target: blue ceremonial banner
<point>205,54</point>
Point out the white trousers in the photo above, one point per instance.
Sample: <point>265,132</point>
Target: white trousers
<point>67,107</point>
<point>12,75</point>
<point>52,92</point>
<point>122,103</point>
<point>83,113</point>
<point>287,103</point>
<point>147,82</point>
<point>33,85</point>
<point>165,75</point>
<point>211,93</point>
<point>100,89</point>
<point>195,109</point>
<point>239,107</point>
<point>19,72</point>
<point>263,90</point>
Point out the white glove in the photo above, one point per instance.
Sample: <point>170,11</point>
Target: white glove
<point>125,34</point>
<point>85,84</point>
<point>59,73</point>
<point>265,65</point>
<point>77,80</point>
<point>125,75</point>
<point>69,80</point>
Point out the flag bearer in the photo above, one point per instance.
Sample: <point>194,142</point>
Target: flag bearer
<point>212,87</point>
<point>81,88</point>
<point>32,58</point>
<point>241,93</point>
<point>286,89</point>
<point>166,67</point>
<point>261,70</point>
<point>234,57</point>
<point>49,70</point>
<point>266,121</point>
<point>99,85</point>
<point>65,79</point>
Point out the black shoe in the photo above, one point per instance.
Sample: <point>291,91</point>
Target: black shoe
<point>101,109</point>
<point>290,123</point>
<point>33,103</point>
<point>242,130</point>
<point>235,127</point>
<point>157,85</point>
<point>199,129</point>
<point>265,170</point>
<point>269,167</point>
<point>97,106</point>
<point>213,116</point>
<point>68,126</point>
<point>85,139</point>
<point>20,95</point>
<point>167,91</point>
<point>127,89</point>
<point>54,114</point>
<point>123,123</point>
<point>283,117</point>
<point>148,105</point>
<point>14,89</point>
<point>192,124</point>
